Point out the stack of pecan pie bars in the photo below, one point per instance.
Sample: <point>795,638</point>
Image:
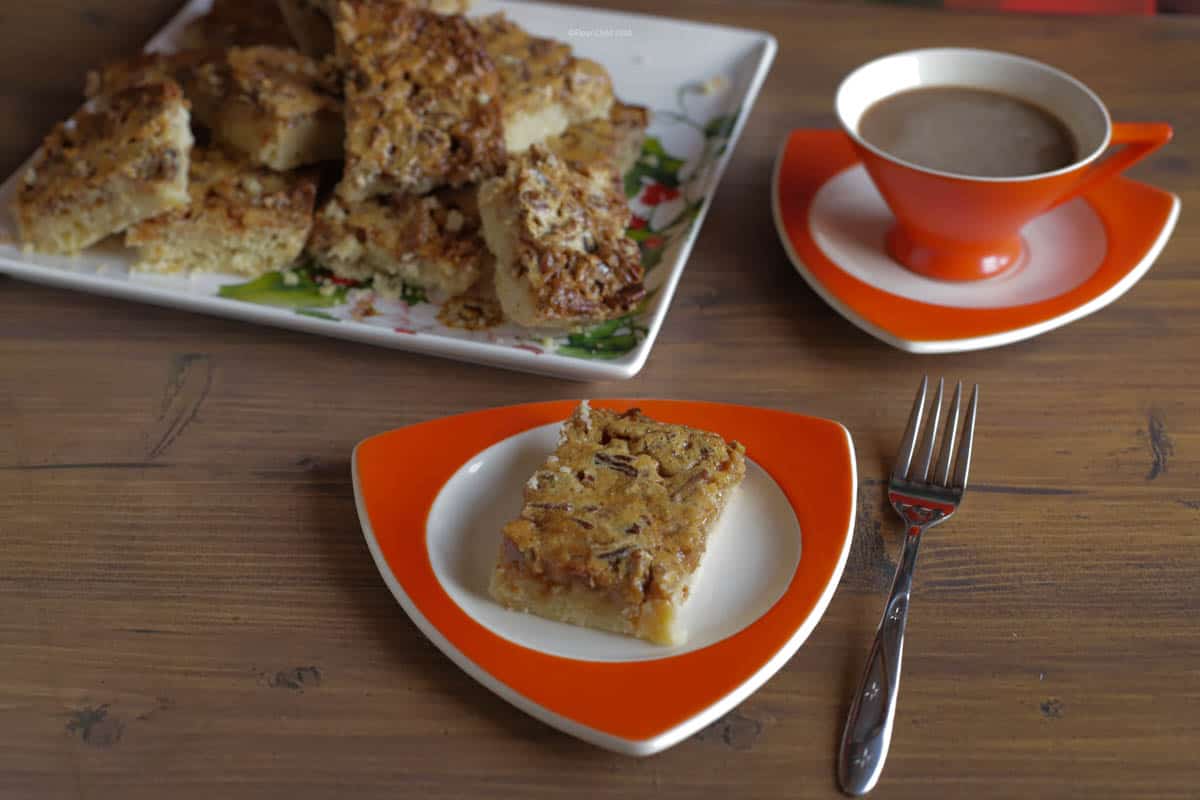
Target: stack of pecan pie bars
<point>395,142</point>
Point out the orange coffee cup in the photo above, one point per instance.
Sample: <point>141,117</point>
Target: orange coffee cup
<point>962,227</point>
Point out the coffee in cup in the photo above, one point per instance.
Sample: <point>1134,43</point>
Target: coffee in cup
<point>974,132</point>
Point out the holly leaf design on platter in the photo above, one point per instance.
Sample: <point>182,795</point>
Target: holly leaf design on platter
<point>276,289</point>
<point>654,165</point>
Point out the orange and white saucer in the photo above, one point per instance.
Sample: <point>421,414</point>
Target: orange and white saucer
<point>1078,258</point>
<point>433,497</point>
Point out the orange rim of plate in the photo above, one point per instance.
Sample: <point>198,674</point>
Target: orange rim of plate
<point>810,158</point>
<point>811,459</point>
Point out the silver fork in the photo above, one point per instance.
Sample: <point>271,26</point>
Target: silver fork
<point>922,501</point>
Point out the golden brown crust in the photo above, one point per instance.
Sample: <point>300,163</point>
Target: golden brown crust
<point>624,505</point>
<point>614,142</point>
<point>560,235</point>
<point>284,82</point>
<point>148,68</point>
<point>311,25</point>
<point>238,23</point>
<point>239,190</point>
<point>542,77</point>
<point>431,241</point>
<point>422,107</point>
<point>241,218</point>
<point>121,158</point>
<point>189,68</point>
<point>276,106</point>
<point>112,135</point>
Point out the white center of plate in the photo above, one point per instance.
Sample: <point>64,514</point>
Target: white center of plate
<point>752,556</point>
<point>849,221</point>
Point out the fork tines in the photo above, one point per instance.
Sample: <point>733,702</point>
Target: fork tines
<point>910,470</point>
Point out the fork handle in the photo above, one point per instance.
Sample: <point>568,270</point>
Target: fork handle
<point>869,723</point>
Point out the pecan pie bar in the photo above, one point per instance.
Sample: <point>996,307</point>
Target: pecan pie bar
<point>544,87</point>
<point>615,524</point>
<point>558,234</point>
<point>122,158</point>
<point>148,68</point>
<point>431,241</point>
<point>184,68</point>
<point>422,101</point>
<point>310,21</point>
<point>242,219</point>
<point>276,106</point>
<point>614,141</point>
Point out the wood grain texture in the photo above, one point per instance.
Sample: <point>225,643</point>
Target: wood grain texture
<point>187,609</point>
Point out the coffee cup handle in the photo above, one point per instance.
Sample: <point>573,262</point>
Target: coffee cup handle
<point>1136,140</point>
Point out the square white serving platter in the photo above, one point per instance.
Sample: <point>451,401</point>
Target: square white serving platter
<point>699,81</point>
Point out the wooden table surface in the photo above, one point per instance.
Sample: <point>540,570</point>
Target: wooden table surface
<point>187,608</point>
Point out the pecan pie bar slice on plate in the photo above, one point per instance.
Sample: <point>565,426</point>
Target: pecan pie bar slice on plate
<point>431,241</point>
<point>614,141</point>
<point>773,558</point>
<point>120,159</point>
<point>615,523</point>
<point>242,219</point>
<point>544,87</point>
<point>276,106</point>
<point>422,101</point>
<point>310,21</point>
<point>558,234</point>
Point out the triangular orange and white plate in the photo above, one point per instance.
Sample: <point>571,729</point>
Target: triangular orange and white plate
<point>432,499</point>
<point>1078,258</point>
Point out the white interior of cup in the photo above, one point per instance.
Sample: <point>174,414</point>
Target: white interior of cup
<point>1052,89</point>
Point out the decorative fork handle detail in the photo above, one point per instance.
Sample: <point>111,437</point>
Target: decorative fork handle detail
<point>922,499</point>
<point>869,723</point>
